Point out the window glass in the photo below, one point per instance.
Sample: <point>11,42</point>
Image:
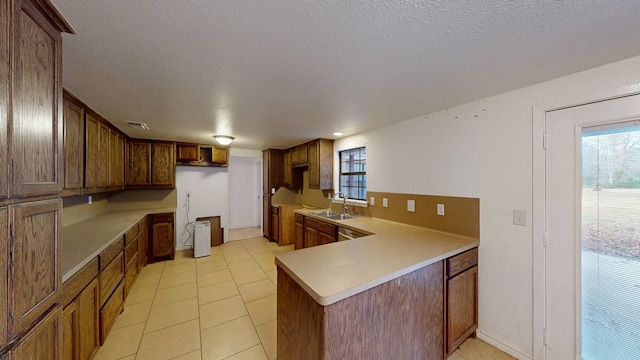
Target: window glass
<point>353,177</point>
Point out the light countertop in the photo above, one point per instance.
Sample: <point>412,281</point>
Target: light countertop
<point>333,272</point>
<point>84,240</point>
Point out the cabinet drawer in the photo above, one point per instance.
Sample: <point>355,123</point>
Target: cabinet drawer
<point>110,311</point>
<point>130,252</point>
<point>461,262</point>
<point>110,277</point>
<point>160,218</point>
<point>131,234</point>
<point>108,254</point>
<point>131,274</point>
<point>325,227</point>
<point>74,285</point>
<point>299,218</point>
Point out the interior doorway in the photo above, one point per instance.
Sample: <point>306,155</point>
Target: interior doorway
<point>244,196</point>
<point>592,231</point>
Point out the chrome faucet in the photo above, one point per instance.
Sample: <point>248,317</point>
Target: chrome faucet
<point>345,207</point>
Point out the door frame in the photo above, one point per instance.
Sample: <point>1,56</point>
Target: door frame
<point>538,212</point>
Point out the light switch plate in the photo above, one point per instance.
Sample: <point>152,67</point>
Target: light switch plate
<point>372,201</point>
<point>411,205</point>
<point>440,209</point>
<point>385,202</point>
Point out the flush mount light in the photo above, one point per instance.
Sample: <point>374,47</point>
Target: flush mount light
<point>223,139</point>
<point>337,134</point>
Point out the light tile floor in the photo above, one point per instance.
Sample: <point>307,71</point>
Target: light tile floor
<point>217,307</point>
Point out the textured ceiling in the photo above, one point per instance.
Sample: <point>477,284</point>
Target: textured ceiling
<point>274,73</point>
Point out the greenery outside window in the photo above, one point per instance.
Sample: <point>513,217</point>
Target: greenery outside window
<point>353,175</point>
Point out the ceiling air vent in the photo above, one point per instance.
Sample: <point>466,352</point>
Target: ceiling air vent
<point>138,125</point>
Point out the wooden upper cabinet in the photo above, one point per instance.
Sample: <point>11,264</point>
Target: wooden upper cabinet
<point>187,152</point>
<point>116,159</point>
<point>4,103</point>
<point>321,164</point>
<point>163,164</point>
<point>151,164</point>
<point>299,156</point>
<point>139,163</point>
<point>35,255</point>
<point>219,155</point>
<point>73,118</point>
<point>36,126</point>
<point>97,135</point>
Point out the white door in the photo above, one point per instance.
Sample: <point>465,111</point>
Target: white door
<point>564,191</point>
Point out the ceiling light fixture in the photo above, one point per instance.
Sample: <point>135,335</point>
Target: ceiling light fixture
<point>223,139</point>
<point>337,134</point>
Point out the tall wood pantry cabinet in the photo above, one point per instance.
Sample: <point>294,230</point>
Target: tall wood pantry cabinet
<point>272,180</point>
<point>31,179</point>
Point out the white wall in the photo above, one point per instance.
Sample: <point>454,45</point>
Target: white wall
<point>484,149</point>
<point>208,188</point>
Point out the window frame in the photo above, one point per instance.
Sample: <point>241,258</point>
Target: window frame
<point>349,152</point>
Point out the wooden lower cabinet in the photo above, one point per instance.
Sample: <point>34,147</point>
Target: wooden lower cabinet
<point>275,224</point>
<point>110,311</point>
<point>34,258</point>
<point>162,241</point>
<point>462,298</point>
<point>318,232</point>
<point>43,341</point>
<point>143,244</point>
<point>399,319</point>
<point>299,229</point>
<point>70,332</point>
<point>4,274</point>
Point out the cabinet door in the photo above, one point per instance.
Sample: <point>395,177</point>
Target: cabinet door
<point>162,237</point>
<point>462,306</point>
<point>299,235</point>
<point>275,224</point>
<point>5,8</point>
<point>70,332</point>
<point>143,241</point>
<point>92,138</point>
<point>4,274</point>
<point>139,169</point>
<point>310,237</point>
<point>34,273</point>
<point>116,159</point>
<point>324,238</point>
<point>314,165</point>
<point>103,155</point>
<point>288,170</point>
<point>163,164</point>
<point>188,152</point>
<point>73,145</point>
<point>219,155</point>
<point>88,307</point>
<point>37,104</point>
<point>44,341</point>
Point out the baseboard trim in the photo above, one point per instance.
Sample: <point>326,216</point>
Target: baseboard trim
<point>502,346</point>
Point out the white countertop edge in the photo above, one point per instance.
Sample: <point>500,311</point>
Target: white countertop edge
<point>329,299</point>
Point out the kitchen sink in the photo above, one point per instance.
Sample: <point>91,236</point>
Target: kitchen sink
<point>334,215</point>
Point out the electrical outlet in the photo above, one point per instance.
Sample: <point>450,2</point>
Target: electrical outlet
<point>372,201</point>
<point>411,205</point>
<point>385,202</point>
<point>440,209</point>
<point>520,217</point>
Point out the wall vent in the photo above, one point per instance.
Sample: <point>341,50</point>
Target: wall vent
<point>138,125</point>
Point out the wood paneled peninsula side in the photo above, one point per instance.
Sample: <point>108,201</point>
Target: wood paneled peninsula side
<point>381,296</point>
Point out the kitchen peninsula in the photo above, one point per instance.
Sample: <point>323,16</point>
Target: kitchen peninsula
<point>376,297</point>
